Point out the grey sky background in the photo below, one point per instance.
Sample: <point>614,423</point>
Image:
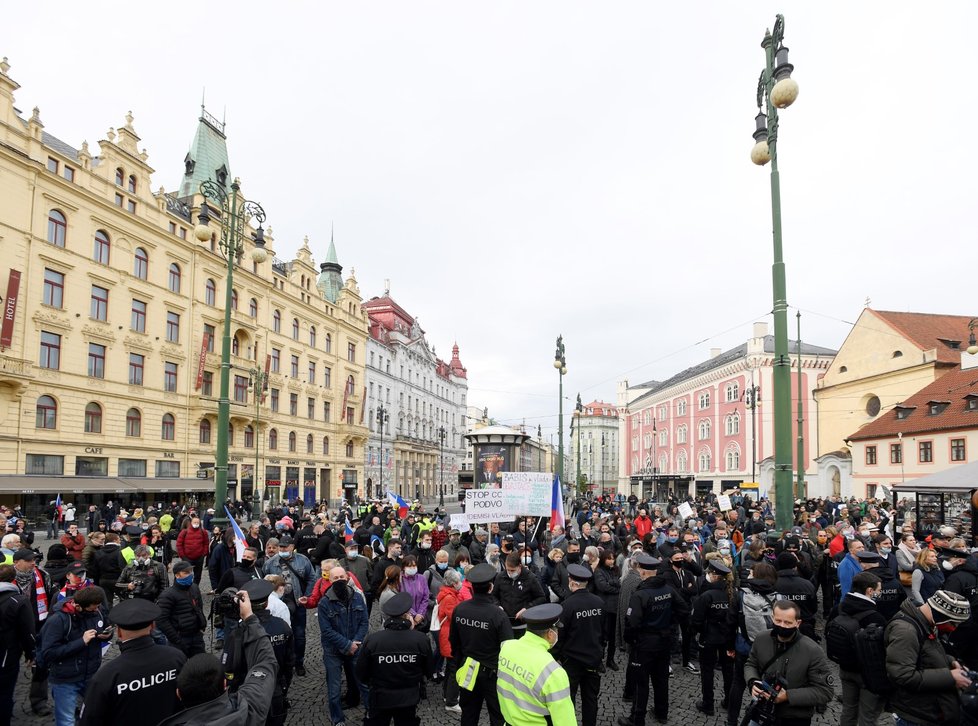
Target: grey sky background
<point>523,169</point>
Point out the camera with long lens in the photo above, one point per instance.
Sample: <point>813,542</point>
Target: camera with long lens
<point>969,699</point>
<point>227,604</point>
<point>760,711</point>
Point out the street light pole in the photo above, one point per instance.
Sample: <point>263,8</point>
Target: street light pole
<point>259,379</point>
<point>382,418</point>
<point>579,413</point>
<point>236,211</point>
<point>776,89</point>
<point>441,466</point>
<point>560,363</point>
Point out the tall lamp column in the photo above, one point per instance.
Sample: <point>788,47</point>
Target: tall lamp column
<point>560,363</point>
<point>236,212</point>
<point>382,418</point>
<point>441,466</point>
<point>776,89</point>
<point>259,380</point>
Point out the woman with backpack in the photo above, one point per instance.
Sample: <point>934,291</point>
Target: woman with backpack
<point>750,613</point>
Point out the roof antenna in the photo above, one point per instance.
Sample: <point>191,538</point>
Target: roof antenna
<point>203,94</point>
<point>868,301</point>
<point>387,287</point>
<point>224,116</point>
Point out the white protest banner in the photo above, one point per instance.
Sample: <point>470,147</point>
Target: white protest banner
<point>723,501</point>
<point>529,493</point>
<point>459,521</point>
<point>487,505</point>
<point>685,511</point>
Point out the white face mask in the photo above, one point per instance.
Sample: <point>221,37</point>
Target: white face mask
<point>410,571</point>
<point>527,560</point>
<point>724,551</point>
<point>426,545</point>
<point>947,565</point>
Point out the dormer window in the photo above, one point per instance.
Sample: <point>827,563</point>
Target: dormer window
<point>188,165</point>
<point>903,412</point>
<point>936,407</point>
<point>971,402</point>
<point>952,344</point>
<point>222,175</point>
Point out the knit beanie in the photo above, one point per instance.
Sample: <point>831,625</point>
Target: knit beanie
<point>948,606</point>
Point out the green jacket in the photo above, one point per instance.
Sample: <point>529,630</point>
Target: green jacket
<point>803,665</point>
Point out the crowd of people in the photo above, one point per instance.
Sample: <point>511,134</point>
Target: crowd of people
<point>518,619</point>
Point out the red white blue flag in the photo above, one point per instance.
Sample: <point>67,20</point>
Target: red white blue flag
<point>396,501</point>
<point>239,539</point>
<point>557,505</point>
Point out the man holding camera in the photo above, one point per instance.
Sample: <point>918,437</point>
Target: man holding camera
<point>182,612</point>
<point>787,670</point>
<point>144,577</point>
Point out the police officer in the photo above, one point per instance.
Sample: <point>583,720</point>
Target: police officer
<point>142,680</point>
<point>579,647</point>
<point>652,611</point>
<point>393,664</point>
<point>709,621</point>
<point>478,629</point>
<point>792,586</point>
<point>533,689</point>
<point>961,578</point>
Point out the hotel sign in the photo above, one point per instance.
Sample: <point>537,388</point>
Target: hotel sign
<point>10,309</point>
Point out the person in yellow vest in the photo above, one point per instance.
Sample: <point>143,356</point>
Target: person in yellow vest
<point>533,688</point>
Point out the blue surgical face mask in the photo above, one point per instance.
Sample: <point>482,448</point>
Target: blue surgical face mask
<point>442,566</point>
<point>185,581</point>
<point>672,540</point>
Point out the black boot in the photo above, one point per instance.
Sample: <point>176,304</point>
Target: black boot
<point>704,707</point>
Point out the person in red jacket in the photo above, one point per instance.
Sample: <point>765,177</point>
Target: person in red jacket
<point>192,545</point>
<point>448,597</point>
<point>643,525</point>
<point>74,542</point>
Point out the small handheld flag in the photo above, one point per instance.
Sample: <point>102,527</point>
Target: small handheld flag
<point>556,505</point>
<point>239,539</point>
<point>348,533</point>
<point>396,501</point>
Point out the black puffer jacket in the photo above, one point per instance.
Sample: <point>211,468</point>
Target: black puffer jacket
<point>607,586</point>
<point>109,564</point>
<point>710,615</point>
<point>181,613</point>
<point>518,594</point>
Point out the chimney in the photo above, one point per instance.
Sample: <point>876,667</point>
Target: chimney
<point>760,330</point>
<point>714,352</point>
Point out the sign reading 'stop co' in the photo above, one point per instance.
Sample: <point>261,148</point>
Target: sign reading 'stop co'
<point>487,505</point>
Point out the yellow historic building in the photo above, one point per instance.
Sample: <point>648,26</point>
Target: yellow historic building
<point>111,334</point>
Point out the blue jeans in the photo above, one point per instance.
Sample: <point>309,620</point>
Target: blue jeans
<point>66,697</point>
<point>333,664</point>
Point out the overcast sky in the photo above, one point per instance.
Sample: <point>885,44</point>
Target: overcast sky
<point>523,169</point>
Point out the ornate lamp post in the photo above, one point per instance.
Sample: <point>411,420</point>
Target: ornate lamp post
<point>259,379</point>
<point>441,466</point>
<point>776,89</point>
<point>560,363</point>
<point>236,211</point>
<point>382,418</point>
<point>579,415</point>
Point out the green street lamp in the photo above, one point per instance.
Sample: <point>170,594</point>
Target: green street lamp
<point>560,363</point>
<point>578,415</point>
<point>777,89</point>
<point>235,214</point>
<point>383,416</point>
<point>441,466</point>
<point>259,382</point>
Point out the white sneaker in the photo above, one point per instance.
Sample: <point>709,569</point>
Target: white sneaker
<point>454,709</point>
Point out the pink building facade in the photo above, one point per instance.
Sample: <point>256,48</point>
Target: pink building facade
<point>710,427</point>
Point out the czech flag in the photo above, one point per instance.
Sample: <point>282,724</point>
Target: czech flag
<point>348,533</point>
<point>557,505</point>
<point>57,505</point>
<point>239,539</point>
<point>396,501</point>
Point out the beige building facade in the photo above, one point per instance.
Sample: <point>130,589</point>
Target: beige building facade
<point>113,324</point>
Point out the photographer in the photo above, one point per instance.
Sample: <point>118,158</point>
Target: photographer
<point>181,611</point>
<point>144,577</point>
<point>202,689</point>
<point>789,669</point>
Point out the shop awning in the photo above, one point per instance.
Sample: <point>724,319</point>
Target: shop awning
<point>957,479</point>
<point>100,485</point>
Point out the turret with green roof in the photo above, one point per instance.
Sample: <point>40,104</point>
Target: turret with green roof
<point>330,279</point>
<point>208,156</point>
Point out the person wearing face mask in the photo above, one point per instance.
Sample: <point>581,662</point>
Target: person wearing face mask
<point>193,545</point>
<point>926,679</point>
<point>785,652</point>
<point>76,579</point>
<point>710,622</point>
<point>607,586</point>
<point>358,566</point>
<point>454,546</point>
<point>517,589</point>
<point>343,623</point>
<point>243,571</point>
<point>417,587</point>
<point>961,578</point>
<point>423,552</point>
<point>144,577</point>
<point>182,617</point>
<point>682,574</point>
<point>301,577</point>
<point>533,688</point>
<point>392,557</point>
<point>891,594</point>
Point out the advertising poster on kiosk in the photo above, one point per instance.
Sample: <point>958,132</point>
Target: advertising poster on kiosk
<point>494,459</point>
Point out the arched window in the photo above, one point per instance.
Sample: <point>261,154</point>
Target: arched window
<point>648,441</point>
<point>277,321</point>
<point>57,228</point>
<point>291,440</point>
<point>663,463</point>
<point>349,449</point>
<point>732,392</point>
<point>169,427</point>
<point>706,460</point>
<point>681,434</point>
<point>350,385</point>
<point>175,277</point>
<point>309,444</point>
<point>93,418</point>
<point>134,422</point>
<point>210,292</point>
<point>132,184</point>
<point>234,299</point>
<point>681,408</point>
<point>140,263</point>
<point>249,437</point>
<point>46,413</point>
<point>733,459</point>
<point>325,445</point>
<point>328,343</point>
<point>704,430</point>
<point>205,431</point>
<point>681,462</point>
<point>732,424</point>
<point>295,328</point>
<point>235,345</point>
<point>253,308</point>
<point>273,439</point>
<point>101,247</point>
<point>312,336</point>
<point>120,177</point>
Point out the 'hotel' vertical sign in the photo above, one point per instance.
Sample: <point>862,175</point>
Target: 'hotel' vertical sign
<point>10,309</point>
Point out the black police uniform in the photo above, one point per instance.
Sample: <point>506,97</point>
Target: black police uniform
<point>653,609</point>
<point>792,586</point>
<point>892,593</point>
<point>141,682</point>
<point>686,581</point>
<point>963,581</point>
<point>478,627</point>
<point>710,621</point>
<point>393,664</point>
<point>578,648</point>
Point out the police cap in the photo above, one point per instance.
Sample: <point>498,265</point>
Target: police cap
<point>579,573</point>
<point>717,566</point>
<point>867,556</point>
<point>258,590</point>
<point>542,616</point>
<point>481,574</point>
<point>647,561</point>
<point>134,614</point>
<point>398,605</point>
<point>950,552</point>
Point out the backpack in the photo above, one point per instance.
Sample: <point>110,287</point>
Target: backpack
<point>840,635</point>
<point>870,647</point>
<point>758,612</point>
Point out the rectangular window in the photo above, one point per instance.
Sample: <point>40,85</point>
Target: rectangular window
<point>274,399</point>
<point>896,453</point>
<point>99,309</point>
<point>173,327</point>
<point>327,377</point>
<point>311,408</point>
<point>249,438</point>
<point>293,404</point>
<point>870,455</point>
<point>52,165</point>
<point>131,206</point>
<point>173,227</point>
<point>96,360</point>
<point>241,389</point>
<point>45,465</point>
<point>207,384</point>
<point>957,450</point>
<point>276,360</point>
<point>136,364</point>
<point>169,377</point>
<point>295,366</point>
<point>132,467</point>
<point>168,469</point>
<point>326,411</point>
<point>349,415</point>
<point>138,319</point>
<point>69,173</point>
<point>312,372</point>
<point>91,466</point>
<point>210,332</point>
<point>118,199</point>
<point>925,450</point>
<point>50,350</point>
<point>54,288</point>
<point>351,352</point>
<point>182,233</point>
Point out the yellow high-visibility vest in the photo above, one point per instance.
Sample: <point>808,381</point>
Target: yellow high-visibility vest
<point>531,685</point>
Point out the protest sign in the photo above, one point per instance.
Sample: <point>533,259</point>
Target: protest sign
<point>459,521</point>
<point>685,511</point>
<point>529,493</point>
<point>487,505</point>
<point>723,501</point>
